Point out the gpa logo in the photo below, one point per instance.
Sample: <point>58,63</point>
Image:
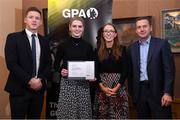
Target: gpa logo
<point>90,13</point>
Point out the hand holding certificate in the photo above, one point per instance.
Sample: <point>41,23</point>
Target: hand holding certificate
<point>81,70</point>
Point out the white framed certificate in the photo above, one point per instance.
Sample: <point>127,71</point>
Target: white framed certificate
<point>79,70</point>
<point>90,70</point>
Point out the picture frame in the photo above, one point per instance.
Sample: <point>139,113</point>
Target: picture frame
<point>127,30</point>
<point>170,27</point>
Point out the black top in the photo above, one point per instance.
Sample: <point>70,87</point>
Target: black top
<point>72,49</point>
<point>111,65</point>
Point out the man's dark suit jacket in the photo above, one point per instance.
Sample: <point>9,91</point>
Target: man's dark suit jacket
<point>160,69</point>
<point>18,57</point>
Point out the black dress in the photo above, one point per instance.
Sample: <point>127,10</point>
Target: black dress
<point>74,97</point>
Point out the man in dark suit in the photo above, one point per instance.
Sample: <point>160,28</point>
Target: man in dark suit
<point>28,60</point>
<point>151,73</point>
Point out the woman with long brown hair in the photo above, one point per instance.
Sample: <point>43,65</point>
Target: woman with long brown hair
<point>111,101</point>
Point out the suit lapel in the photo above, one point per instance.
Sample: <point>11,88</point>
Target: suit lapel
<point>137,55</point>
<point>152,47</point>
<point>27,44</point>
<point>41,47</point>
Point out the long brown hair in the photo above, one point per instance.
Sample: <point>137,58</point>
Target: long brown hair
<point>116,48</point>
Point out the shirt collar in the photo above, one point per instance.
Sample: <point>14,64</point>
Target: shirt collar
<point>145,41</point>
<point>29,33</point>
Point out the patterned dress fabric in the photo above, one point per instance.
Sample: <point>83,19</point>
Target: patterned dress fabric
<point>74,100</point>
<point>114,107</point>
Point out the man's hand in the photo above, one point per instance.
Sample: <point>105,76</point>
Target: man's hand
<point>35,84</point>
<point>166,100</point>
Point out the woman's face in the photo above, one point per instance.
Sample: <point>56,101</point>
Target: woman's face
<point>109,33</point>
<point>76,29</point>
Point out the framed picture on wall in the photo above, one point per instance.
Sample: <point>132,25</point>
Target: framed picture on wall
<point>126,29</point>
<point>171,28</point>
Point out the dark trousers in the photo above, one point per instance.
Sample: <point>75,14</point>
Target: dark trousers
<point>148,108</point>
<point>27,106</point>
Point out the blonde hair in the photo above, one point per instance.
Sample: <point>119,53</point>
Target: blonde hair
<point>76,18</point>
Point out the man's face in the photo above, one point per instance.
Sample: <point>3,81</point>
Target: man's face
<point>143,28</point>
<point>33,20</point>
<point>76,29</point>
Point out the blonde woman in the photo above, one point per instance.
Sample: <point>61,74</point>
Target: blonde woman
<point>74,97</point>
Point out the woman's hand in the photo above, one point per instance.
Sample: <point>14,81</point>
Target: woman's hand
<point>64,72</point>
<point>116,88</point>
<point>108,91</point>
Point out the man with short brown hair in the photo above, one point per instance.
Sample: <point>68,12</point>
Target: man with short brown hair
<point>28,60</point>
<point>151,73</point>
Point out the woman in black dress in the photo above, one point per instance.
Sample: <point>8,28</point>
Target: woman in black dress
<point>74,97</point>
<point>111,100</point>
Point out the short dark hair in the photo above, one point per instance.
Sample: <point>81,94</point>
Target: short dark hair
<point>148,18</point>
<point>33,9</point>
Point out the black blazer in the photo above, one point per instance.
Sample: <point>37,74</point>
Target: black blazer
<point>18,57</point>
<point>160,69</point>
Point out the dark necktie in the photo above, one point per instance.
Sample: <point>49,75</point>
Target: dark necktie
<point>34,54</point>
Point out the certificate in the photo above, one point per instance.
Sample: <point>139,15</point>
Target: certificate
<point>79,70</point>
<point>90,70</point>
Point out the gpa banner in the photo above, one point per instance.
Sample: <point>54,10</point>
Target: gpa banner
<point>95,13</point>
